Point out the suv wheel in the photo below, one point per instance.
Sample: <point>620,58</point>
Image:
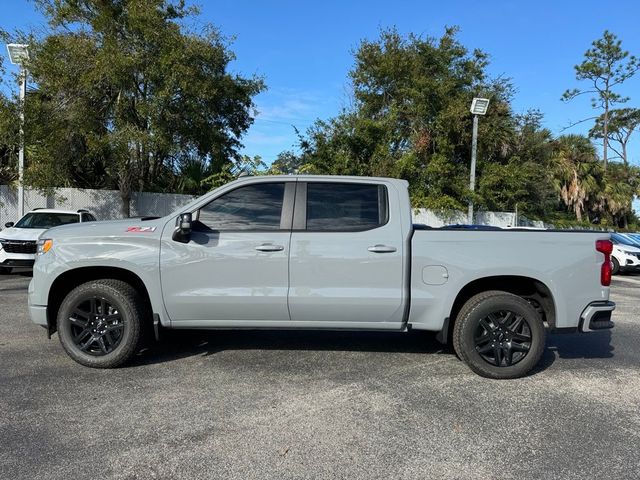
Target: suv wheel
<point>100,323</point>
<point>499,335</point>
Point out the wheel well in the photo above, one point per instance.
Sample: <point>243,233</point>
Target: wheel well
<point>72,278</point>
<point>532,290</point>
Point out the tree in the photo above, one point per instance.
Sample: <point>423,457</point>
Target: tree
<point>131,93</point>
<point>606,65</point>
<point>410,117</point>
<point>622,123</point>
<point>577,174</point>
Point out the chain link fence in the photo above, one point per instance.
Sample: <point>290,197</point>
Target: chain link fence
<point>104,204</point>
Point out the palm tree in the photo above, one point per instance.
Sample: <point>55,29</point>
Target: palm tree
<point>577,172</point>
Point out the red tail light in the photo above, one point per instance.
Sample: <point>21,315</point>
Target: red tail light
<point>605,247</point>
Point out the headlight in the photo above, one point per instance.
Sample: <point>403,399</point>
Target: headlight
<point>44,245</point>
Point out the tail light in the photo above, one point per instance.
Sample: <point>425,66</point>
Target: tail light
<point>605,247</point>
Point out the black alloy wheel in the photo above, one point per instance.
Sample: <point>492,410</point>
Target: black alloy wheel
<point>97,326</point>
<point>503,338</point>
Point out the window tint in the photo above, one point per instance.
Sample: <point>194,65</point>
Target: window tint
<point>345,206</point>
<point>90,218</point>
<point>46,219</point>
<point>254,207</point>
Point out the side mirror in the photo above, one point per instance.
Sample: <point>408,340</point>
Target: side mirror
<point>9,224</point>
<point>182,231</point>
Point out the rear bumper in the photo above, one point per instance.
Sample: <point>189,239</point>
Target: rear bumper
<point>597,316</point>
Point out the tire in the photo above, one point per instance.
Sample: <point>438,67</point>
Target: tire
<point>499,335</point>
<point>108,337</point>
<point>615,266</point>
<point>5,270</point>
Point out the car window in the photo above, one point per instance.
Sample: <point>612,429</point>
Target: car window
<point>89,217</point>
<point>345,206</point>
<point>253,207</point>
<point>46,219</point>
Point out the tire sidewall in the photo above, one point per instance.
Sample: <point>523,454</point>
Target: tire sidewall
<point>117,299</point>
<point>615,266</point>
<point>493,304</point>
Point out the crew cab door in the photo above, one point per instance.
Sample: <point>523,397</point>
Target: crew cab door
<point>234,268</point>
<point>346,260</point>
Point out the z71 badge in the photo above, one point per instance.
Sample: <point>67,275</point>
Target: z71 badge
<point>141,229</point>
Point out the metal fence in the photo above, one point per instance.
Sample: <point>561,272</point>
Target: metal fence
<point>105,204</point>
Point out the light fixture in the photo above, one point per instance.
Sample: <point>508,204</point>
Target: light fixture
<point>18,53</point>
<point>479,106</point>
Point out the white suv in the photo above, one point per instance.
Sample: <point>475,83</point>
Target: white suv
<point>18,242</point>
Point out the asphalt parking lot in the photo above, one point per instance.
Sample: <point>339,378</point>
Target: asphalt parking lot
<point>262,405</point>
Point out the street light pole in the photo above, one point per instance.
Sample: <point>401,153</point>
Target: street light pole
<point>472,179</point>
<point>23,91</point>
<point>479,106</point>
<point>19,55</point>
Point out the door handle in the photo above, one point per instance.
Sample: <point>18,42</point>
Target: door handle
<point>382,249</point>
<point>269,247</point>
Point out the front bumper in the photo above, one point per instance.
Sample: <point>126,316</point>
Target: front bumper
<point>16,259</point>
<point>597,316</point>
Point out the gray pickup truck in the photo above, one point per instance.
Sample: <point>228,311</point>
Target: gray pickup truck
<point>318,252</point>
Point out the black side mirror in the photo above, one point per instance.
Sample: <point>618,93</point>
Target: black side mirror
<point>9,224</point>
<point>182,231</point>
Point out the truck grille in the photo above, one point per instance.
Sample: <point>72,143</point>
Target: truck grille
<point>19,246</point>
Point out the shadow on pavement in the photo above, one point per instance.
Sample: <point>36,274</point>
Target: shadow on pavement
<point>176,344</point>
<point>576,345</point>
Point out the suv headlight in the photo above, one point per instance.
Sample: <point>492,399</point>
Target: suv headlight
<point>44,245</point>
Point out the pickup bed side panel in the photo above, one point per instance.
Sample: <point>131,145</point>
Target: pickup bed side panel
<point>444,262</point>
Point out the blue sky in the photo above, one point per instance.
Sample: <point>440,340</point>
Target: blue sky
<point>303,51</point>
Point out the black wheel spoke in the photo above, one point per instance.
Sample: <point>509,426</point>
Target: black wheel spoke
<point>521,337</point>
<point>497,353</point>
<point>102,345</point>
<point>520,347</point>
<point>486,349</point>
<point>484,324</point>
<point>79,322</point>
<point>508,356</point>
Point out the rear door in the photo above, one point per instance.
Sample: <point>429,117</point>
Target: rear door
<point>346,261</point>
<point>235,266</point>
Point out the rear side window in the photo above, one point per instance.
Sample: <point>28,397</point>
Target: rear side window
<point>344,207</point>
<point>254,207</point>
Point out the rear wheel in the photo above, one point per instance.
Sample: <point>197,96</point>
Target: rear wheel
<point>499,335</point>
<point>615,266</point>
<point>100,323</point>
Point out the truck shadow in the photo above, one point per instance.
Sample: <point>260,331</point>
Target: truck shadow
<point>576,346</point>
<point>177,344</point>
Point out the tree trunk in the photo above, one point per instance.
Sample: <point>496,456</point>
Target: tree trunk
<point>125,205</point>
<point>605,139</point>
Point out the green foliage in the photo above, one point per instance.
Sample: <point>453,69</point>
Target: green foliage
<point>605,66</point>
<point>127,96</point>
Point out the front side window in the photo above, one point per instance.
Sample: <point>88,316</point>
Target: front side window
<point>46,219</point>
<point>253,207</point>
<point>345,207</point>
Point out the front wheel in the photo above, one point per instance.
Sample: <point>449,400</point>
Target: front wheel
<point>499,335</point>
<point>100,323</point>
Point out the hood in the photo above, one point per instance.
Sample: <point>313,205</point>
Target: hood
<point>14,233</point>
<point>110,228</point>
<point>628,248</point>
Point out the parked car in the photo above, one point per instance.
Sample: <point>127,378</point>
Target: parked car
<point>625,256</point>
<point>318,252</point>
<point>18,241</point>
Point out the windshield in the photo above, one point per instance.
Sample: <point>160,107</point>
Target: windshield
<point>46,219</point>
<point>619,239</point>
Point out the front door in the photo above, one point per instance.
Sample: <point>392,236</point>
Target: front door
<point>235,266</point>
